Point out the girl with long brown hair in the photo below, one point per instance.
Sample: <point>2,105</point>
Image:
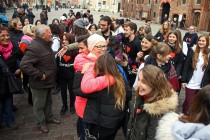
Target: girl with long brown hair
<point>105,110</point>
<point>177,56</point>
<point>155,98</point>
<point>196,72</point>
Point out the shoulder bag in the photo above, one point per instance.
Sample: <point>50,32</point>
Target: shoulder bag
<point>13,84</point>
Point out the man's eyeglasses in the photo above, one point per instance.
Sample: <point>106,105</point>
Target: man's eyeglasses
<point>101,47</point>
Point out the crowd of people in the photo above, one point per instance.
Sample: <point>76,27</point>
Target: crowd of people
<point>99,64</point>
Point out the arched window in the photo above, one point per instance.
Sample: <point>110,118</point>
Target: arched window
<point>198,2</point>
<point>183,1</point>
<point>154,15</point>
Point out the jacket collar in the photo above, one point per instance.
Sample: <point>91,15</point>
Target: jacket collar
<point>163,106</point>
<point>42,41</point>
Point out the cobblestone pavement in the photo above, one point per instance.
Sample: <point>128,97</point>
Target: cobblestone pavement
<point>67,129</point>
<point>27,129</point>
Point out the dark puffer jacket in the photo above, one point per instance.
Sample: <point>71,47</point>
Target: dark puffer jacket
<point>147,115</point>
<point>103,102</point>
<point>15,37</point>
<point>39,59</point>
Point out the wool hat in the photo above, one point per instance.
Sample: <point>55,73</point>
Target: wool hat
<point>81,23</point>
<point>93,40</point>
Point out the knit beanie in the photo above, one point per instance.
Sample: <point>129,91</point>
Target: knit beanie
<point>93,40</point>
<point>81,23</point>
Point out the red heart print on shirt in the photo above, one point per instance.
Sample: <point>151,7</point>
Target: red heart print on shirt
<point>189,40</point>
<point>66,58</point>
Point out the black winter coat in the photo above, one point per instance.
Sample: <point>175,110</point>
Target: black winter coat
<point>15,37</point>
<point>188,70</point>
<point>190,41</point>
<point>178,61</point>
<point>160,36</point>
<point>12,63</point>
<point>147,115</point>
<point>103,102</point>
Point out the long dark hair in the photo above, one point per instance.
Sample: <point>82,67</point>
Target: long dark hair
<point>199,111</point>
<point>107,65</point>
<point>80,31</point>
<point>57,31</point>
<point>70,37</point>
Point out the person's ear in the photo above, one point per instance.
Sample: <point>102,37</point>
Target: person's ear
<point>132,31</point>
<point>158,56</point>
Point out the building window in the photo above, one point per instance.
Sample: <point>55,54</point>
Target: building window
<point>154,15</point>
<point>155,1</point>
<point>142,1</point>
<point>198,2</point>
<point>104,2</point>
<point>148,1</point>
<point>183,1</point>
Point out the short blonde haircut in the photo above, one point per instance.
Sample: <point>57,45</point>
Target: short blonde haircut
<point>29,30</point>
<point>13,23</point>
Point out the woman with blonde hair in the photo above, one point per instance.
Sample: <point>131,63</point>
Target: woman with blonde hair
<point>29,35</point>
<point>163,32</point>
<point>155,98</point>
<point>15,32</point>
<point>196,71</point>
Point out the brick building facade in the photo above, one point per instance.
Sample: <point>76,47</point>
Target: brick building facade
<point>196,12</point>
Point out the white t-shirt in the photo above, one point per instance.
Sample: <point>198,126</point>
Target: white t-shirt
<point>185,48</point>
<point>56,44</point>
<point>135,85</point>
<point>119,30</point>
<point>195,81</point>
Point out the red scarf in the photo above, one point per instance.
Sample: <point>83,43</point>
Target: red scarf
<point>6,51</point>
<point>146,97</point>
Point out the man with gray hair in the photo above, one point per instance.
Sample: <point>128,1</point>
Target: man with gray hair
<point>39,63</point>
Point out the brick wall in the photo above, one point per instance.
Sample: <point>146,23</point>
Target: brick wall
<point>153,11</point>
